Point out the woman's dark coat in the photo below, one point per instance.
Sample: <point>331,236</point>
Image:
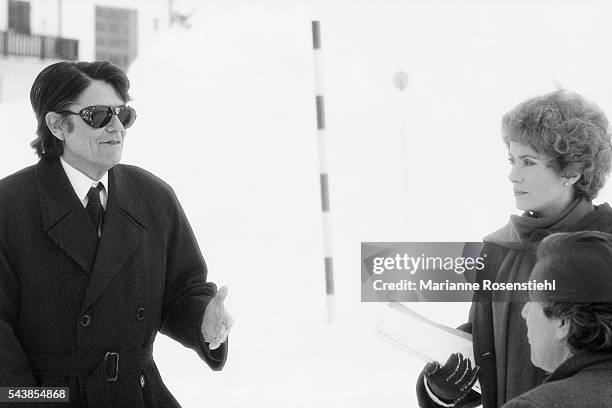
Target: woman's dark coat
<point>67,299</point>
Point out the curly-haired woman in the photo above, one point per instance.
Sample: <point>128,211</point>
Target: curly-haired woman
<point>570,329</point>
<point>560,155</point>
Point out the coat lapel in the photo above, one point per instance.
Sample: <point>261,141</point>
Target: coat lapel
<point>122,233</point>
<point>63,215</point>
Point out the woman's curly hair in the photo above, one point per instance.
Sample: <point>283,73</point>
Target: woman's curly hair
<point>570,130</point>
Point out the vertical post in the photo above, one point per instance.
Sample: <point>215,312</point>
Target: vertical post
<point>170,13</point>
<point>59,19</point>
<point>400,80</point>
<point>43,41</point>
<point>324,178</point>
<point>6,43</point>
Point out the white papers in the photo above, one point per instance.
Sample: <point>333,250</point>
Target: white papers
<point>426,339</point>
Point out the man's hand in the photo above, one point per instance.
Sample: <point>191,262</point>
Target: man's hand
<point>454,380</point>
<point>217,321</point>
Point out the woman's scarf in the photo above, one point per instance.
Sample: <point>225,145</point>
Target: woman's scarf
<point>526,231</point>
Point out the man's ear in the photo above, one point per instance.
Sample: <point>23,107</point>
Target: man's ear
<point>563,329</point>
<point>56,125</point>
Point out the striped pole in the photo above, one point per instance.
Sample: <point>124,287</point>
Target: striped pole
<point>324,180</point>
<point>400,80</point>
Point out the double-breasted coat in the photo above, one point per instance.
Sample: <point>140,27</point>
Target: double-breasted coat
<point>81,311</point>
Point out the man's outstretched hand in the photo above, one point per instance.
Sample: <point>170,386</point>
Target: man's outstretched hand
<point>217,321</point>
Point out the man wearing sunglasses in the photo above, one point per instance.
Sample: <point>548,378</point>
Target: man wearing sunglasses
<point>96,257</point>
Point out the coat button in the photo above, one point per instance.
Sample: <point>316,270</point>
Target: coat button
<point>142,381</point>
<point>140,313</point>
<point>85,320</point>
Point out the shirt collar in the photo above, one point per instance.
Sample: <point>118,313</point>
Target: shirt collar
<point>80,182</point>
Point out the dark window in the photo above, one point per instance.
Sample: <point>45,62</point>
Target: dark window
<point>116,35</point>
<point>19,16</point>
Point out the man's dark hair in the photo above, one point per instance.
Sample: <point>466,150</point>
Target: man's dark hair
<point>580,263</point>
<point>60,85</point>
<point>590,327</point>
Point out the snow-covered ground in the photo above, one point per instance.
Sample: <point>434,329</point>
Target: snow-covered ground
<point>226,116</point>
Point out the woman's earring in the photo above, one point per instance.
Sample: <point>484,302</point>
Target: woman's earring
<point>566,183</point>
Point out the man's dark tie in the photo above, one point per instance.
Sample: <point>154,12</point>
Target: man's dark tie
<point>94,206</point>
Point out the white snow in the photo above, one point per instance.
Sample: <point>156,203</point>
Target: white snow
<point>226,116</point>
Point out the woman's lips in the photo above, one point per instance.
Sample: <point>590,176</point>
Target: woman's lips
<point>519,193</point>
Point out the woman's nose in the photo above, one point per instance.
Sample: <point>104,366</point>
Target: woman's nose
<point>515,176</point>
<point>524,311</point>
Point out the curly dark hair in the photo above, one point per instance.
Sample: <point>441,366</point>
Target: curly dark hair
<point>590,324</point>
<point>579,262</point>
<point>570,130</point>
<point>58,86</point>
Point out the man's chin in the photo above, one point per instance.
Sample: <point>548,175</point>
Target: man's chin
<point>103,167</point>
<point>113,161</point>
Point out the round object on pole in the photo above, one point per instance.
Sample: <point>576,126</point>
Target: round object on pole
<point>400,80</point>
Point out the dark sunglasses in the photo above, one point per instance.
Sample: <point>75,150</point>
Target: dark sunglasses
<point>98,116</point>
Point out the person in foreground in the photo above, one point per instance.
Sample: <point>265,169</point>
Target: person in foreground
<point>560,154</point>
<point>570,329</point>
<point>96,257</point>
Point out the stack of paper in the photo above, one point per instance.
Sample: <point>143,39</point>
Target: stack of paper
<point>428,340</point>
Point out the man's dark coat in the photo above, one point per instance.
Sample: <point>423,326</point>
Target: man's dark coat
<point>67,298</point>
<point>582,381</point>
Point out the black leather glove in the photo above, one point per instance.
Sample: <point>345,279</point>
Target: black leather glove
<point>454,380</point>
